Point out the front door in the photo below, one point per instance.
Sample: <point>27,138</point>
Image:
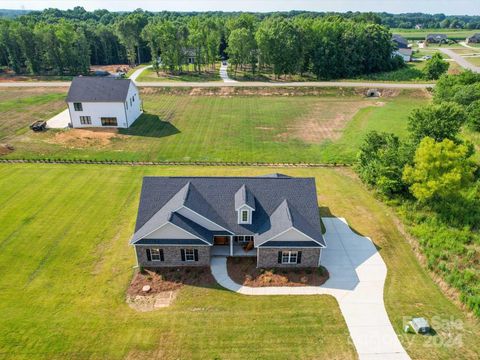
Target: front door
<point>221,240</point>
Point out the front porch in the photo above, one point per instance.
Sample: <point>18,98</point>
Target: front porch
<point>235,250</point>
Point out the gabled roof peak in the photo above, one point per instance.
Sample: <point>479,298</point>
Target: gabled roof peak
<point>243,197</point>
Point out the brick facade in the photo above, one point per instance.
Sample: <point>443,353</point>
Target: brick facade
<point>268,257</point>
<point>172,256</point>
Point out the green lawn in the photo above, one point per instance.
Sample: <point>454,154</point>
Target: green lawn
<point>20,107</point>
<point>177,126</point>
<point>65,266</point>
<point>149,75</point>
<point>414,34</point>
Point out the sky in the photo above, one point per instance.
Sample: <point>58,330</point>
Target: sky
<point>449,7</point>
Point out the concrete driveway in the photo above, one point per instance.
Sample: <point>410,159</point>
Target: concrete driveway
<point>357,276</point>
<point>224,74</point>
<point>59,121</point>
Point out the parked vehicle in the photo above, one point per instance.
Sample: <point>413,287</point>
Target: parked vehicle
<point>39,126</point>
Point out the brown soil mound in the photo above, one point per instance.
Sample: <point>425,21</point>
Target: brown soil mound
<point>86,137</point>
<point>244,271</point>
<point>6,149</point>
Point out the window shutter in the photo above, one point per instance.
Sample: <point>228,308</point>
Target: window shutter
<point>149,255</point>
<point>182,253</point>
<point>279,257</point>
<point>299,257</point>
<point>195,253</point>
<point>161,255</point>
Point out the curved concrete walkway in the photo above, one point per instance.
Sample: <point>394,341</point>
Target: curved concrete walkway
<point>357,276</point>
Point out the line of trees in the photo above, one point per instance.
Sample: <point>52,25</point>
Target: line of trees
<point>68,42</point>
<point>435,181</point>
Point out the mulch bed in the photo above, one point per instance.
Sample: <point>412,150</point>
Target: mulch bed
<point>244,271</point>
<point>169,279</point>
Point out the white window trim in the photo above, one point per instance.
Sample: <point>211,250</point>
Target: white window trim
<point>158,253</point>
<point>193,255</point>
<point>290,255</point>
<point>240,216</point>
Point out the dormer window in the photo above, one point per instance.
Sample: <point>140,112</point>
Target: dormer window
<point>244,205</point>
<point>245,216</point>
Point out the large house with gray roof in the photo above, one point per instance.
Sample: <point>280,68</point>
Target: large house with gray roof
<point>184,221</point>
<point>103,102</point>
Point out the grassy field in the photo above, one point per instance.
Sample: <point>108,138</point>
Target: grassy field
<point>149,75</point>
<point>214,125</point>
<point>414,34</point>
<point>20,107</point>
<point>65,267</point>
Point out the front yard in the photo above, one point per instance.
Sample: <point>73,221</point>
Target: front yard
<point>66,268</point>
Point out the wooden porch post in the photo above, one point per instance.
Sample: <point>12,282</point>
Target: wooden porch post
<point>231,245</point>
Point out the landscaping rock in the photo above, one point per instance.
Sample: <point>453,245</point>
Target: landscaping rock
<point>146,288</point>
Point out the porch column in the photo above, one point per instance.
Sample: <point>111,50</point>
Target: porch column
<point>231,245</point>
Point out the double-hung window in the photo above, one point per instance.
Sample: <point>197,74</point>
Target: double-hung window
<point>77,106</point>
<point>85,120</point>
<point>289,257</point>
<point>189,255</point>
<point>155,254</point>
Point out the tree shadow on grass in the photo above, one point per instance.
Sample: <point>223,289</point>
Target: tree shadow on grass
<point>150,125</point>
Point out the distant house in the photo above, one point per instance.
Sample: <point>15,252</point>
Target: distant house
<point>184,221</point>
<point>190,56</point>
<point>405,54</point>
<point>419,26</point>
<point>474,39</point>
<point>399,41</point>
<point>103,102</point>
<point>436,39</point>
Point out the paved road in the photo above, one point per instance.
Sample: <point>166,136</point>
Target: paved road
<point>237,84</point>
<point>357,276</point>
<point>460,60</point>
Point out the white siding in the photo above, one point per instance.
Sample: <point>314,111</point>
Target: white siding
<point>134,111</point>
<point>207,224</point>
<point>169,231</point>
<point>97,110</point>
<point>291,235</point>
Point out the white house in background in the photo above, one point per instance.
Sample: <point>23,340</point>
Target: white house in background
<point>103,102</point>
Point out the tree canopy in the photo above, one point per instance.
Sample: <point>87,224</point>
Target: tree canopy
<point>440,170</point>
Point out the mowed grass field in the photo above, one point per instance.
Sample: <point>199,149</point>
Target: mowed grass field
<point>149,75</point>
<point>420,34</point>
<point>217,125</point>
<point>66,265</point>
<point>20,107</point>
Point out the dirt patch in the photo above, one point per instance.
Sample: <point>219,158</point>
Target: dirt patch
<point>111,68</point>
<point>164,285</point>
<point>80,138</point>
<point>244,271</point>
<point>325,121</point>
<point>6,149</point>
<point>144,303</point>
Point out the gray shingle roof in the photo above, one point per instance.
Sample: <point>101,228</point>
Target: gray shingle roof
<point>244,197</point>
<point>98,89</point>
<point>280,203</point>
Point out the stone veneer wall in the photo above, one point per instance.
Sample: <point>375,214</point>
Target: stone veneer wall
<point>268,257</point>
<point>172,256</point>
